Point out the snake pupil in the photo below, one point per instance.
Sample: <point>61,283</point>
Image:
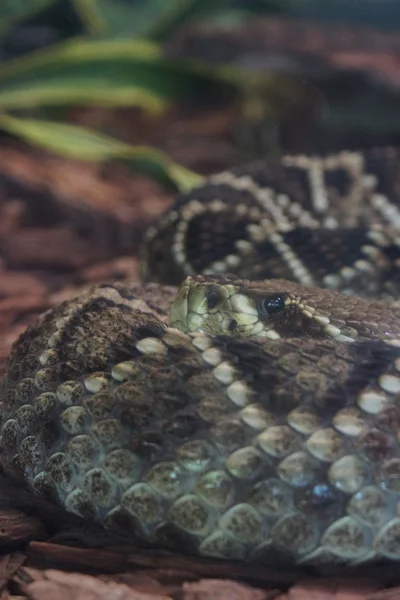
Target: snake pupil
<point>213,296</point>
<point>271,304</point>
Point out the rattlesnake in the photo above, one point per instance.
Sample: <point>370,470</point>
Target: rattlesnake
<point>266,427</point>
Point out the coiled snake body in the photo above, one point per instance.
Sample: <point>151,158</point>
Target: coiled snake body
<point>267,426</point>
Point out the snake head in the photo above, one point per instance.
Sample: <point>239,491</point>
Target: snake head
<point>219,305</point>
<point>272,309</point>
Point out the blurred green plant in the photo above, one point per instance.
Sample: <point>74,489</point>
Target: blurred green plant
<point>14,11</point>
<point>150,19</point>
<point>93,72</point>
<point>80,143</point>
<point>101,72</point>
<point>109,69</point>
<point>156,19</point>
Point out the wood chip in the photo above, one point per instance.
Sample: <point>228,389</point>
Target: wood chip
<point>64,586</point>
<point>55,248</point>
<point>121,268</point>
<point>333,589</point>
<point>14,283</point>
<point>16,526</point>
<point>214,589</point>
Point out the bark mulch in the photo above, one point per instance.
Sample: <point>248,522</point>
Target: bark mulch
<point>43,570</point>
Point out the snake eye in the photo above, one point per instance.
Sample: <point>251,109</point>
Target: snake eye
<point>271,304</point>
<point>213,296</point>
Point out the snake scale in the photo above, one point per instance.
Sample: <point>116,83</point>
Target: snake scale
<point>261,423</point>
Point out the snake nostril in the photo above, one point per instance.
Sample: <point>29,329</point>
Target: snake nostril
<point>233,326</point>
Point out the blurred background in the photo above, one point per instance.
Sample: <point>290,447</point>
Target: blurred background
<point>110,107</point>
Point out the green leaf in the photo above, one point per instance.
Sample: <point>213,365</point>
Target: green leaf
<point>13,11</point>
<point>141,19</point>
<point>83,144</point>
<point>120,72</point>
<point>157,18</point>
